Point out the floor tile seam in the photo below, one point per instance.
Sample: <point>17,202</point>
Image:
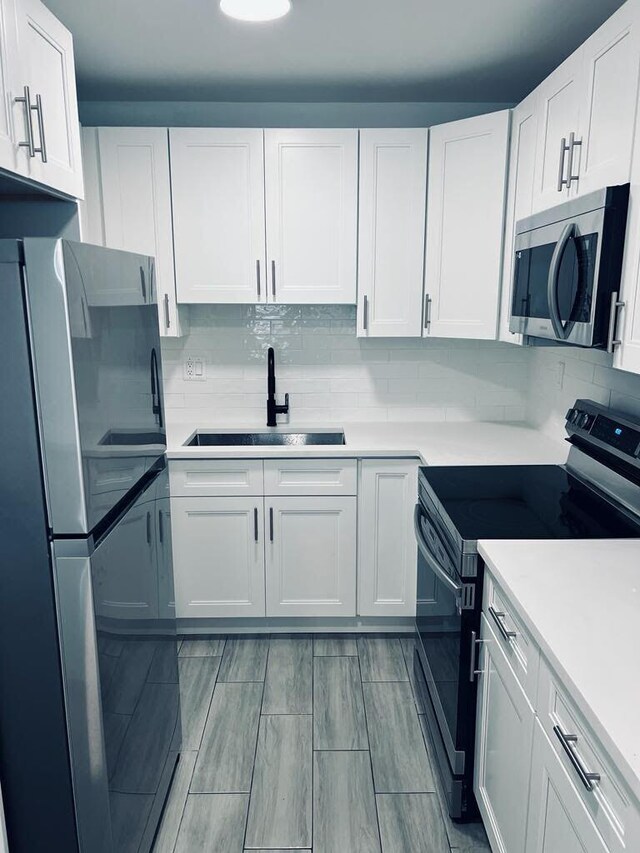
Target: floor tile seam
<point>255,748</point>
<point>373,782</point>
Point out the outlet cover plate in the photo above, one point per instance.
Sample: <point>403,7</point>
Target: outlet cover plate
<point>194,368</point>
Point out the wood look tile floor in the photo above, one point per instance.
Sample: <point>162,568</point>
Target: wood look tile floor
<point>304,743</point>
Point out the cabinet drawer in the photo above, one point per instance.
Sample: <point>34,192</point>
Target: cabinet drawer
<point>522,653</point>
<point>216,477</point>
<point>606,802</point>
<point>310,477</point>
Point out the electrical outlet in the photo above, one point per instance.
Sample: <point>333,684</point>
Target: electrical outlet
<point>194,368</point>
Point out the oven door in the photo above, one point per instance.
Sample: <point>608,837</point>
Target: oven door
<point>445,619</point>
<point>556,280</point>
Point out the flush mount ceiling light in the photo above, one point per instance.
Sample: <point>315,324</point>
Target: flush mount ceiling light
<point>255,10</point>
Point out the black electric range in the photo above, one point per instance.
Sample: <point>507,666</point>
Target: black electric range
<point>595,495</point>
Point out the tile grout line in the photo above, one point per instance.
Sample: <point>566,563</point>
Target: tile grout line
<point>366,721</point>
<point>255,749</point>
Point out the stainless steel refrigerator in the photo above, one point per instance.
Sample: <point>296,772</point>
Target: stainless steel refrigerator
<point>89,698</point>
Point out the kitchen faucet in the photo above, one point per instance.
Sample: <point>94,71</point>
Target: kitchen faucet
<point>273,408</point>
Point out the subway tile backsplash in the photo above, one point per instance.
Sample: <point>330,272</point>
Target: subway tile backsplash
<point>333,377</point>
<point>560,375</point>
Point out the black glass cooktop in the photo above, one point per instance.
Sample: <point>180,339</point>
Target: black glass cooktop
<point>523,502</point>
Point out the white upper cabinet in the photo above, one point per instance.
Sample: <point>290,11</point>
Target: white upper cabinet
<point>46,53</point>
<point>610,66</point>
<point>136,204</point>
<point>522,160</point>
<point>559,110</point>
<point>13,127</point>
<point>393,187</point>
<point>465,221</point>
<point>311,179</point>
<point>217,179</point>
<point>587,110</point>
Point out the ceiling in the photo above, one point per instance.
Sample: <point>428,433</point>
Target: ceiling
<point>324,50</point>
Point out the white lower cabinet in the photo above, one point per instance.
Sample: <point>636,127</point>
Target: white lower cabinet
<point>311,556</point>
<point>387,552</point>
<point>218,556</point>
<point>558,821</point>
<point>529,784</point>
<point>503,748</point>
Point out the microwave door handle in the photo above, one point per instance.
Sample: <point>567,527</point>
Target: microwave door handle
<point>429,558</point>
<point>552,281</point>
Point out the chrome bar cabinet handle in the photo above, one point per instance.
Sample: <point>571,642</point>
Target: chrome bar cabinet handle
<point>271,523</point>
<point>255,523</point>
<point>562,181</point>
<point>273,279</point>
<point>472,657</point>
<point>573,144</point>
<point>167,318</point>
<point>498,616</point>
<point>612,341</point>
<point>365,312</point>
<point>160,527</point>
<point>584,775</point>
<point>148,528</point>
<point>42,150</point>
<point>26,100</point>
<point>427,310</point>
<point>258,276</point>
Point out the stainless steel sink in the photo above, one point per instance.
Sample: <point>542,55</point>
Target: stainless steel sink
<point>131,437</point>
<point>263,439</point>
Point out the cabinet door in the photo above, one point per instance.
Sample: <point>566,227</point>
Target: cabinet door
<point>136,203</point>
<point>387,552</point>
<point>465,221</point>
<point>46,47</point>
<point>311,179</point>
<point>522,158</point>
<point>218,556</point>
<point>311,556</point>
<point>391,217</point>
<point>558,821</point>
<point>217,180</point>
<point>504,731</point>
<point>13,128</point>
<point>611,62</point>
<point>559,99</point>
<point>124,575</point>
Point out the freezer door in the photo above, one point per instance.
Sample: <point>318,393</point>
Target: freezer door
<point>96,351</point>
<point>121,673</point>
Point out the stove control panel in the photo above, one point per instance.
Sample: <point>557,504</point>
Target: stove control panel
<point>604,428</point>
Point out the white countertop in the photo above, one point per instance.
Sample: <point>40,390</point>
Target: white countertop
<point>581,601</point>
<point>473,443</point>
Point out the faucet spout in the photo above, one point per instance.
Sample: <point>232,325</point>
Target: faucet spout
<point>273,408</point>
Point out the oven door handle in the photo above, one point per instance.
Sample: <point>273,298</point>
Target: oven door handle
<point>561,331</point>
<point>435,567</point>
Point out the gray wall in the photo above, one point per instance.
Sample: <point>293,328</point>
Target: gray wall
<point>229,114</point>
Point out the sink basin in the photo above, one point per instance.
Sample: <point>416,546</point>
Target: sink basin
<point>132,438</point>
<point>263,439</point>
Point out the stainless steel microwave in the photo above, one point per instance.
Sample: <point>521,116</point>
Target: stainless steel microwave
<point>568,263</point>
